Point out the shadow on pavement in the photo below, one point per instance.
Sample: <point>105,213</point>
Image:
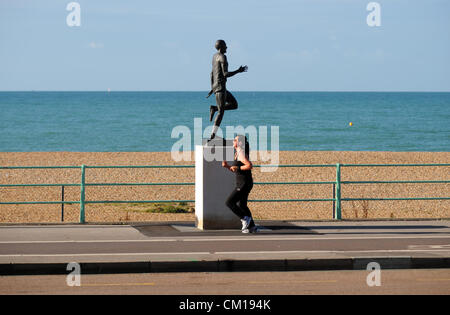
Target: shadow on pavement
<point>189,229</point>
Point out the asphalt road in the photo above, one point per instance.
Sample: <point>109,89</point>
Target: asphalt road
<point>404,281</point>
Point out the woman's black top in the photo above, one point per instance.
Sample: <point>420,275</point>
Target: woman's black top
<point>243,178</point>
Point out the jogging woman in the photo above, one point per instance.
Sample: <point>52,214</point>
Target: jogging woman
<point>237,201</point>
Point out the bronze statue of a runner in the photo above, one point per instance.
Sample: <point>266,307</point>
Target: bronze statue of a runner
<point>219,74</point>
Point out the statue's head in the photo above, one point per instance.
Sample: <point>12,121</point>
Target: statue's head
<point>221,45</point>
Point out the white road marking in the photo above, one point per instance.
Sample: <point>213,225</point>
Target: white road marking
<point>447,246</point>
<point>220,239</point>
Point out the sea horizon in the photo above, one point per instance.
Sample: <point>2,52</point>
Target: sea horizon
<point>237,91</point>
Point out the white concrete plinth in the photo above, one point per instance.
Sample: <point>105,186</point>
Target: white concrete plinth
<point>213,185</point>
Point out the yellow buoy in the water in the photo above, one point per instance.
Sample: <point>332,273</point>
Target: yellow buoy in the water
<point>350,124</point>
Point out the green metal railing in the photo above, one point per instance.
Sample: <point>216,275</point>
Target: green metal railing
<point>336,199</point>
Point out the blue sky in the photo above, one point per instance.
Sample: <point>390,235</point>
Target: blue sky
<point>288,45</point>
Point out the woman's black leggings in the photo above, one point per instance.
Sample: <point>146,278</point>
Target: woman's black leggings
<point>237,201</point>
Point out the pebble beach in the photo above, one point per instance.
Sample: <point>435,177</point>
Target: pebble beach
<point>135,212</point>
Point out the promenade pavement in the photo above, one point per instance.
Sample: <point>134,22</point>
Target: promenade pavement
<point>181,247</point>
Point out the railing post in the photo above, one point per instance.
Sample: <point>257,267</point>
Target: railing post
<point>334,200</point>
<point>62,203</point>
<point>337,211</point>
<point>82,193</point>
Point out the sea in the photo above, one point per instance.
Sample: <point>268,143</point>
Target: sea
<point>110,121</point>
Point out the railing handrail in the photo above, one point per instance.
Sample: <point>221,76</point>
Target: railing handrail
<point>192,166</point>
